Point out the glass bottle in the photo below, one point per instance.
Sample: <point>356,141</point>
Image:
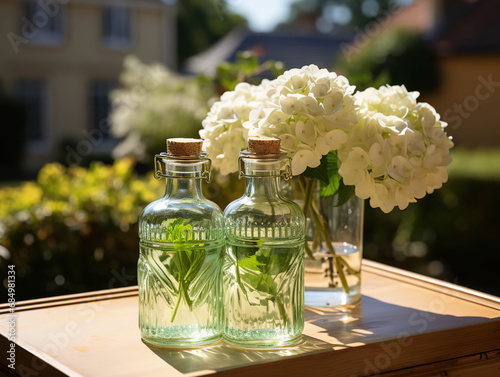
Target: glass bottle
<point>181,254</point>
<point>264,261</point>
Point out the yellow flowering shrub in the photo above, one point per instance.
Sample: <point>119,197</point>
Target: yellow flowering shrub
<point>74,228</point>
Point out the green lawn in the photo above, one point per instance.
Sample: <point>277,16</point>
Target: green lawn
<point>482,164</point>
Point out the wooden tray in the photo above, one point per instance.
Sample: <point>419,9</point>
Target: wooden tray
<point>406,324</point>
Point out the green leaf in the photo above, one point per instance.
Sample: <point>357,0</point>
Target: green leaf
<point>247,62</point>
<point>251,263</point>
<point>262,283</point>
<point>345,193</point>
<point>248,251</point>
<point>276,67</point>
<point>197,257</point>
<point>229,83</point>
<point>187,261</point>
<point>332,187</point>
<point>334,177</point>
<point>227,76</point>
<point>320,172</point>
<point>176,230</point>
<point>335,183</point>
<point>279,261</point>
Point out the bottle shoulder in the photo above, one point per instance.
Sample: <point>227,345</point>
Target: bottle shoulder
<point>263,206</point>
<point>202,219</point>
<point>181,208</point>
<point>250,218</point>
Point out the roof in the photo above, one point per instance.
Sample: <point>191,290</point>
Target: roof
<point>418,16</point>
<point>293,49</point>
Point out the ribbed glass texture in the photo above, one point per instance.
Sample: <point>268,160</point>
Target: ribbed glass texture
<point>264,263</point>
<point>180,264</point>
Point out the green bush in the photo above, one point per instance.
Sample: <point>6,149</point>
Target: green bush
<point>74,229</point>
<point>396,57</point>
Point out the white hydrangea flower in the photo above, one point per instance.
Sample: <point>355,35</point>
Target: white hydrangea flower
<point>223,129</point>
<point>398,150</point>
<point>310,109</point>
<point>392,148</point>
<point>150,105</point>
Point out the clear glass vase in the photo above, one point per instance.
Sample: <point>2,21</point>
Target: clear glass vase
<point>264,262</point>
<point>333,277</point>
<point>180,261</point>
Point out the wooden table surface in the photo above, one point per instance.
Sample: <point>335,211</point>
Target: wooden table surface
<point>405,324</point>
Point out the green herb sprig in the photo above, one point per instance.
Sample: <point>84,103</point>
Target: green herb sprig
<point>263,264</point>
<point>187,261</point>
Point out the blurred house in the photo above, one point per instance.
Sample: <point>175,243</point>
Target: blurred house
<point>294,49</point>
<point>467,40</point>
<point>62,58</point>
<point>466,37</point>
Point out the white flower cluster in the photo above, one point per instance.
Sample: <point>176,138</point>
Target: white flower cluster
<point>310,110</point>
<point>398,151</point>
<point>151,104</point>
<point>392,148</point>
<point>223,131</point>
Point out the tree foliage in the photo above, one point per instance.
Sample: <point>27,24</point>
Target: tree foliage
<point>395,58</point>
<point>201,23</point>
<point>340,15</point>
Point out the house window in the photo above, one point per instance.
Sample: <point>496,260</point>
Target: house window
<point>33,94</point>
<point>45,20</point>
<point>100,105</point>
<point>116,26</point>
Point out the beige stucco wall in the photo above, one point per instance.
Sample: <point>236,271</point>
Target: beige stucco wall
<point>81,57</point>
<point>471,107</point>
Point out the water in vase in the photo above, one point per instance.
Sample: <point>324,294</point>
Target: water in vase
<point>324,285</point>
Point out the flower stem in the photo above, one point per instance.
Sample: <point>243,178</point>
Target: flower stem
<point>322,226</point>
<point>179,297</point>
<point>308,198</point>
<point>238,280</point>
<point>307,203</point>
<point>341,274</point>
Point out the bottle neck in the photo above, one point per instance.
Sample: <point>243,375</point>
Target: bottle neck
<point>183,179</point>
<point>266,187</point>
<point>183,188</point>
<point>263,177</point>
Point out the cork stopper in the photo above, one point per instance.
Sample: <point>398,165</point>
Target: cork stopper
<point>262,146</point>
<point>184,147</point>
